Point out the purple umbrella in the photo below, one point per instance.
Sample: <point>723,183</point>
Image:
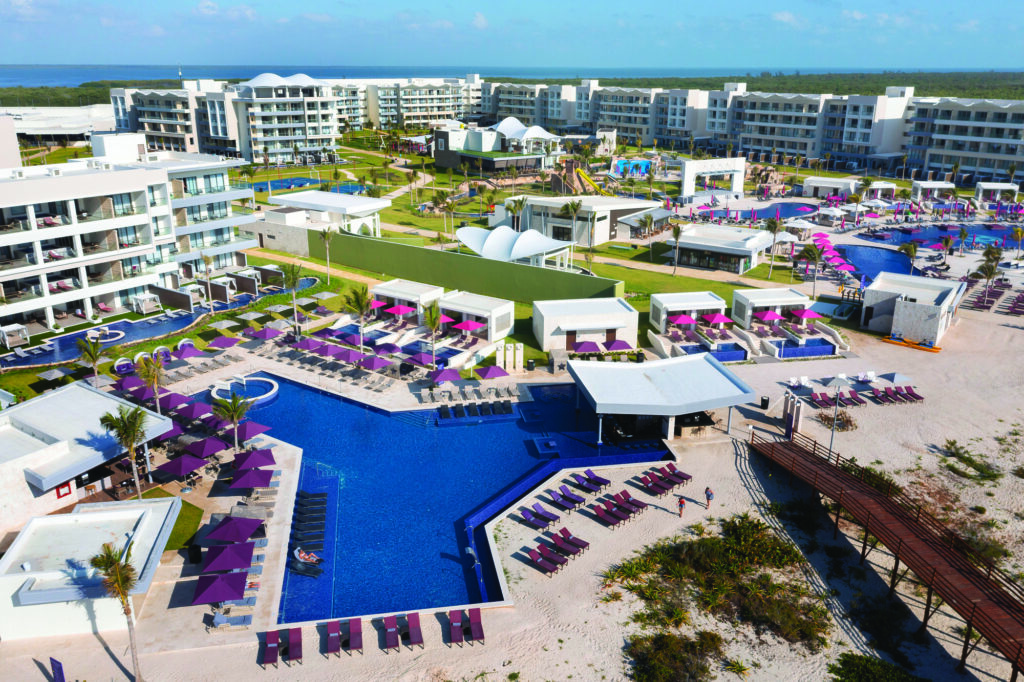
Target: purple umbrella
<point>144,393</point>
<point>307,344</point>
<point>216,423</point>
<point>207,446</point>
<point>175,430</point>
<point>222,587</point>
<point>491,372</point>
<point>252,478</point>
<point>255,459</point>
<point>267,333</point>
<point>194,410</point>
<point>421,359</point>
<point>328,350</point>
<point>715,318</point>
<point>187,352</point>
<point>349,355</point>
<point>586,347</point>
<point>373,363</point>
<point>682,318</point>
<point>247,430</point>
<point>439,376</point>
<point>173,400</point>
<point>768,315</point>
<point>468,325</point>
<point>223,342</point>
<point>936,246</point>
<point>128,383</point>
<point>234,529</point>
<point>325,333</point>
<point>228,557</point>
<point>352,339</point>
<point>617,344</point>
<point>183,465</point>
<point>804,314</point>
<point>387,349</point>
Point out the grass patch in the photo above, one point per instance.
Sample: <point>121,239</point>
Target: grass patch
<point>976,469</point>
<point>860,668</point>
<point>185,526</point>
<point>780,274</point>
<point>666,657</point>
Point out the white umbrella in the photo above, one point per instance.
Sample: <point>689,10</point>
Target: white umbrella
<point>282,325</point>
<point>831,212</point>
<point>248,317</point>
<point>323,295</point>
<point>304,301</point>
<point>801,224</point>
<point>54,374</point>
<point>279,308</point>
<point>224,324</point>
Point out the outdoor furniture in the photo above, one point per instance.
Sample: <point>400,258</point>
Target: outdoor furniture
<point>909,390</point>
<point>543,513</point>
<point>585,484</point>
<point>595,479</point>
<point>546,553</point>
<point>907,397</point>
<point>611,509</point>
<point>569,495</point>
<point>855,397</point>
<point>572,539</point>
<point>561,502</point>
<point>294,645</point>
<point>894,397</point>
<point>391,638</point>
<point>543,564</point>
<point>679,474</point>
<point>415,632</point>
<point>563,546</point>
<point>676,478</point>
<point>534,521</point>
<point>652,487</point>
<point>271,649</point>
<point>222,622</point>
<point>882,398</point>
<point>626,496</point>
<point>607,518</point>
<point>355,636</point>
<point>476,627</point>
<point>455,634</point>
<point>623,503</point>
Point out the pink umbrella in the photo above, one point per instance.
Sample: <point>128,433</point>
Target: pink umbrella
<point>936,246</point>
<point>715,318</point>
<point>377,304</point>
<point>682,318</point>
<point>804,209</point>
<point>400,309</point>
<point>835,260</point>
<point>820,235</point>
<point>805,314</point>
<point>768,315</point>
<point>469,325</point>
<point>872,215</point>
<point>845,267</point>
<point>445,319</point>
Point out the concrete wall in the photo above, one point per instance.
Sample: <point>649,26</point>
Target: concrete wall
<point>281,237</point>
<point>550,337</point>
<point>20,501</point>
<point>10,154</point>
<point>60,618</point>
<point>918,322</point>
<point>245,285</point>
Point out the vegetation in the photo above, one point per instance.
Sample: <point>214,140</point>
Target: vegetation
<point>860,668</point>
<point>667,657</point>
<point>232,410</point>
<point>128,426</point>
<point>977,469</point>
<point>189,519</point>
<point>119,579</point>
<point>90,92</point>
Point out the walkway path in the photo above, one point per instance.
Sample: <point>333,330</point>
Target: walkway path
<point>315,267</point>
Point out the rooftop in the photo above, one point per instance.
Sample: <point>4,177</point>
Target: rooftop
<point>689,300</point>
<point>724,239</point>
<point>472,304</point>
<point>577,307</point>
<point>925,290</point>
<point>761,297</point>
<point>590,202</point>
<point>505,244</point>
<point>673,386</point>
<point>407,290</point>
<point>332,202</point>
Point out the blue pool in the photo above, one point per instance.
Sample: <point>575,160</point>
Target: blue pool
<point>980,235</point>
<point>400,488</point>
<point>636,169</point>
<point>784,209</point>
<point>368,336</point>
<point>871,260</point>
<point>284,183</point>
<point>726,352</point>
<point>65,348</point>
<point>424,347</point>
<point>812,347</point>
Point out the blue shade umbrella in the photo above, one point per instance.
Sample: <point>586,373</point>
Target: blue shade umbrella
<point>228,557</point>
<point>207,447</point>
<point>234,529</point>
<point>223,587</point>
<point>252,478</point>
<point>255,459</point>
<point>181,466</point>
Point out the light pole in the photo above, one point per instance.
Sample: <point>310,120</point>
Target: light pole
<point>836,383</point>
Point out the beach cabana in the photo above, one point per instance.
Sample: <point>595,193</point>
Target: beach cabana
<point>14,335</point>
<point>561,324</point>
<point>880,189</point>
<point>495,314</point>
<point>398,292</point>
<point>815,186</point>
<point>747,302</point>
<point>145,303</point>
<point>692,303</point>
<point>993,191</point>
<point>928,190</point>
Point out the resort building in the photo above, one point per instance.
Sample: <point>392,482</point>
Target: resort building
<point>73,126</point>
<point>911,308</point>
<point>287,225</point>
<point>747,302</point>
<point>930,190</point>
<point>47,584</point>
<point>690,303</point>
<point>497,315</point>
<point>53,451</point>
<point>562,324</point>
<point>598,220</point>
<point>505,244</point>
<point>403,292</point>
<point>820,187</point>
<point>720,247</point>
<point>83,238</point>
<point>10,152</point>
<point>508,144</point>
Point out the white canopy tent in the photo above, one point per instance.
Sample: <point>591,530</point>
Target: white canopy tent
<point>505,244</point>
<point>14,335</point>
<point>146,302</point>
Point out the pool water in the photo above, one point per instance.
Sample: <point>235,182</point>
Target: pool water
<point>284,183</point>
<point>812,347</point>
<point>368,336</point>
<point>399,489</point>
<point>65,347</point>
<point>725,352</point>
<point>871,260</point>
<point>424,347</point>
<point>784,209</point>
<point>625,168</point>
<point>980,235</point>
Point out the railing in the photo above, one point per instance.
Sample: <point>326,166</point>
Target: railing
<point>15,225</point>
<point>15,263</point>
<point>202,219</point>
<point>104,214</point>
<point>218,189</point>
<point>902,505</point>
<point>52,221</point>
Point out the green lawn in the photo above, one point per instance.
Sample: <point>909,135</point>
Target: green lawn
<point>780,275</point>
<point>187,524</point>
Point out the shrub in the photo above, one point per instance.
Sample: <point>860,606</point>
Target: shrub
<point>673,658</point>
<point>860,668</point>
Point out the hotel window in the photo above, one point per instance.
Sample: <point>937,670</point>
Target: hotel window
<point>122,204</point>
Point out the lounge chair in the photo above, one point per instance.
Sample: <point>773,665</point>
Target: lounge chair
<point>665,482</point>
<point>562,503</point>
<point>571,496</point>
<point>900,391</point>
<point>249,601</point>
<point>563,546</point>
<point>585,484</point>
<point>391,638</point>
<point>476,626</point>
<point>679,474</point>
<point>333,645</point>
<point>676,478</point>
<point>909,390</point>
<point>455,633</point>
<point>895,397</point>
<point>599,481</point>
<point>415,632</point>
<point>546,552</point>
<point>653,487</point>
<point>294,645</point>
<point>855,397</point>
<point>607,518</point>
<point>627,505</point>
<point>308,570</point>
<point>627,497</point>
<point>533,520</point>
<point>355,636</point>
<point>271,649</point>
<point>573,540</point>
<point>543,513</point>
<point>882,398</point>
<point>546,567</point>
<point>614,510</point>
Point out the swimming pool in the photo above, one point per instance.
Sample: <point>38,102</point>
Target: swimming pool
<point>980,235</point>
<point>812,347</point>
<point>284,183</point>
<point>626,168</point>
<point>871,260</point>
<point>424,347</point>
<point>784,209</point>
<point>399,489</point>
<point>724,352</point>
<point>65,348</point>
<point>368,336</point>
<point>256,390</point>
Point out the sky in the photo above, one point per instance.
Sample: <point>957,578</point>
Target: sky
<point>748,34</point>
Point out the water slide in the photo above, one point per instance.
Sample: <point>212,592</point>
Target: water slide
<point>587,180</point>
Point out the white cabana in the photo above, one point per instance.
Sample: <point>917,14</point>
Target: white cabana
<point>692,303</point>
<point>993,191</point>
<point>146,303</point>
<point>406,292</point>
<point>746,302</point>
<point>14,335</point>
<point>505,244</point>
<point>497,314</point>
<point>816,186</point>
<point>926,190</point>
<point>880,189</point>
<point>879,204</point>
<point>560,324</point>
<point>351,213</point>
<point>667,388</point>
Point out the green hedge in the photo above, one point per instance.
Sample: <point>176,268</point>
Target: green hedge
<point>460,271</point>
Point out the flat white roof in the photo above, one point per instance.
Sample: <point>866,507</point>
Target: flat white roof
<point>52,552</point>
<point>570,307</point>
<point>407,290</point>
<point>925,290</point>
<point>882,184</point>
<point>59,433</point>
<point>997,185</point>
<point>689,300</point>
<point>764,297</point>
<point>332,202</point>
<point>673,386</point>
<point>829,182</point>
<point>739,241</point>
<point>933,184</point>
<point>472,304</point>
<point>591,202</point>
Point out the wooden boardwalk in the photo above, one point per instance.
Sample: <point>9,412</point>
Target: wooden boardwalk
<point>988,599</point>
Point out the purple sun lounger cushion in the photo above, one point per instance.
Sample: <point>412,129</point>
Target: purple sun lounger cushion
<point>476,626</point>
<point>533,520</point>
<point>294,645</point>
<point>270,650</point>
<point>678,480</point>
<point>560,501</point>
<point>333,645</point>
<point>881,397</point>
<point>679,474</point>
<point>546,552</point>
<point>571,496</point>
<point>544,513</point>
<point>546,566</point>
<point>613,510</point>
<point>563,546</point>
<point>595,479</point>
<point>585,484</point>
<point>607,518</point>
<point>912,393</point>
<point>629,498</point>
<point>569,537</point>
<point>391,638</point>
<point>665,482</point>
<point>653,487</point>
<point>415,632</point>
<point>627,505</point>
<point>455,633</point>
<point>355,635</point>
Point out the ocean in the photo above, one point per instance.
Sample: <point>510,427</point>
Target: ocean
<point>37,75</point>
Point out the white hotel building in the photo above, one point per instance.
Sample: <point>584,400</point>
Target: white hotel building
<point>78,240</point>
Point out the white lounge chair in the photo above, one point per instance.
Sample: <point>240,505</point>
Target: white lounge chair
<point>805,382</point>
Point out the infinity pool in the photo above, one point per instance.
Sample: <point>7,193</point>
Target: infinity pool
<point>979,236</point>
<point>784,209</point>
<point>399,488</point>
<point>871,260</point>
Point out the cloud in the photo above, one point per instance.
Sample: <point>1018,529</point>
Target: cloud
<point>855,15</point>
<point>156,31</point>
<point>480,21</point>
<point>442,25</point>
<point>25,10</point>
<point>787,18</point>
<point>207,7</point>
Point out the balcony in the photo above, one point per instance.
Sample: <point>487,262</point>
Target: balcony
<point>105,214</point>
<point>15,225</point>
<point>203,191</point>
<point>13,263</point>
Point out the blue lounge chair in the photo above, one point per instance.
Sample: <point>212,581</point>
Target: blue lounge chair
<point>585,484</point>
<point>533,520</point>
<point>544,513</point>
<point>571,496</point>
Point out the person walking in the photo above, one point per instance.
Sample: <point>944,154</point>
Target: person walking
<point>709,495</point>
<point>682,505</point>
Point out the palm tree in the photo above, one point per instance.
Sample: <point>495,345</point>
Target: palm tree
<point>119,580</point>
<point>327,235</point>
<point>207,262</point>
<point>865,186</point>
<point>797,162</point>
<point>440,199</point>
<point>963,234</point>
<point>151,370</point>
<point>515,208</point>
<point>1011,171</point>
<point>571,209</point>
<point>128,426</point>
<point>909,248</point>
<point>386,168</point>
<point>1018,234</point>
<point>855,198</point>
<point>432,321</point>
<point>92,351</point>
<point>449,208</point>
<point>955,170</point>
<point>677,231</point>
<point>513,173</point>
<point>632,187</point>
<point>987,271</point>
<point>359,301</point>
<point>811,253</point>
<point>904,167</point>
<point>647,220</point>
<point>291,273</point>
<point>903,194</point>
<point>947,244</point>
<point>232,410</point>
<point>992,254</point>
<point>414,176</point>
<point>773,226</point>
